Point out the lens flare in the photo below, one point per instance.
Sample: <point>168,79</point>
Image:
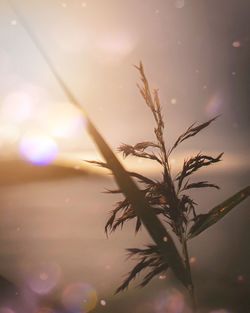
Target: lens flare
<point>171,301</point>
<point>214,105</point>
<point>43,278</point>
<point>103,302</point>
<point>236,44</point>
<point>79,297</point>
<point>38,149</point>
<point>192,260</point>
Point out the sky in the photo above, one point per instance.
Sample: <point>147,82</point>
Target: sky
<point>195,52</point>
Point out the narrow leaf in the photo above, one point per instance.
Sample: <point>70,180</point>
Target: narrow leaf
<point>202,184</point>
<point>98,163</point>
<point>144,263</point>
<point>138,151</point>
<point>193,164</point>
<point>218,212</point>
<point>153,273</point>
<point>190,132</point>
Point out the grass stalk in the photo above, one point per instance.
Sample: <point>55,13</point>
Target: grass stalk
<point>190,288</point>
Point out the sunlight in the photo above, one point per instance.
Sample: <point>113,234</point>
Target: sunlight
<point>68,124</point>
<point>9,134</point>
<point>17,107</point>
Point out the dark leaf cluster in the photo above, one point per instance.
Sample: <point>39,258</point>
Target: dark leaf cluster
<point>168,198</point>
<point>194,164</point>
<point>148,259</point>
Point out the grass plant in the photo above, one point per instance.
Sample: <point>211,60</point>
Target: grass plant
<point>164,208</point>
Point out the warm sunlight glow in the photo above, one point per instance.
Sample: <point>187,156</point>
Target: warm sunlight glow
<point>68,124</point>
<point>9,134</point>
<point>17,107</point>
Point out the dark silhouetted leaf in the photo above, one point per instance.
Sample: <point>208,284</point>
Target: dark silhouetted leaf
<point>193,164</point>
<point>124,212</point>
<point>98,163</point>
<point>156,271</point>
<point>144,145</point>
<point>202,184</point>
<point>138,151</point>
<point>187,205</point>
<point>149,258</point>
<point>143,264</point>
<point>190,132</point>
<point>218,212</point>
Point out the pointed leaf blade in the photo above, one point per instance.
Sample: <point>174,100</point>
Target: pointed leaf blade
<point>218,212</point>
<point>191,131</point>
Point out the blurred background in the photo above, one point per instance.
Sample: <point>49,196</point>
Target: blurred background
<point>52,209</point>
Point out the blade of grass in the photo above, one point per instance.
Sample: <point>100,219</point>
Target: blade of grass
<point>152,224</point>
<point>218,212</point>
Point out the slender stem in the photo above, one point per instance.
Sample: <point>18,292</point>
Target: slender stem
<point>188,268</point>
